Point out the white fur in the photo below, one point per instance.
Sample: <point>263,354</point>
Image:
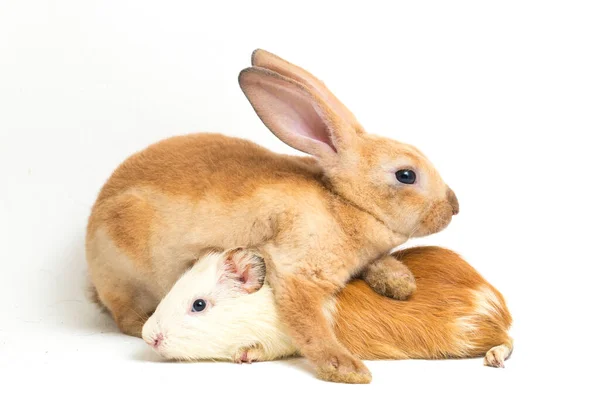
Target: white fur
<point>485,305</point>
<point>330,310</point>
<point>486,302</point>
<point>233,319</point>
<point>467,326</point>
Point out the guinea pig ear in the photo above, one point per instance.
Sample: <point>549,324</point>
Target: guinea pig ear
<point>246,267</point>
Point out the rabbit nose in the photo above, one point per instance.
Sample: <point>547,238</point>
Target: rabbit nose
<point>453,201</point>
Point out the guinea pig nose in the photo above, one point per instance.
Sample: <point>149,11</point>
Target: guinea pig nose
<point>158,339</point>
<point>453,201</point>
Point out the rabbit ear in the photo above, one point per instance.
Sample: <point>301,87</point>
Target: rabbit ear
<point>264,59</point>
<point>295,114</point>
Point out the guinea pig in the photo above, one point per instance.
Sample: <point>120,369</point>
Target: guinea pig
<point>221,309</point>
<point>218,310</point>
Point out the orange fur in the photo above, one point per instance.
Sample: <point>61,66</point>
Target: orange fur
<point>428,325</point>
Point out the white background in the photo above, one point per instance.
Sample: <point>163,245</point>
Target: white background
<point>504,98</point>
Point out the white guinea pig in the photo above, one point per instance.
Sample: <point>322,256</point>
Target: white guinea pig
<point>221,309</point>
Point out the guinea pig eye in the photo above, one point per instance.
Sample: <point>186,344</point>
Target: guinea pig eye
<point>406,176</point>
<point>198,305</point>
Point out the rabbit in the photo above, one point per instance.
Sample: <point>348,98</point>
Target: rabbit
<point>222,309</point>
<point>325,216</point>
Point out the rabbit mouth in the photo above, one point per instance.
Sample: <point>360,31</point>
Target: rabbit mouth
<point>436,219</point>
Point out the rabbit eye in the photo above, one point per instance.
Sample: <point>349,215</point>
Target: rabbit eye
<point>198,305</point>
<point>406,176</point>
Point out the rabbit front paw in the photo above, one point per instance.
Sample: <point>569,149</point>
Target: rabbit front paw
<point>390,278</point>
<point>343,368</point>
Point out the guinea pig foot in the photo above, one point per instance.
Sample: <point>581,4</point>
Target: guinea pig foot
<point>344,368</point>
<point>247,355</point>
<point>496,356</point>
